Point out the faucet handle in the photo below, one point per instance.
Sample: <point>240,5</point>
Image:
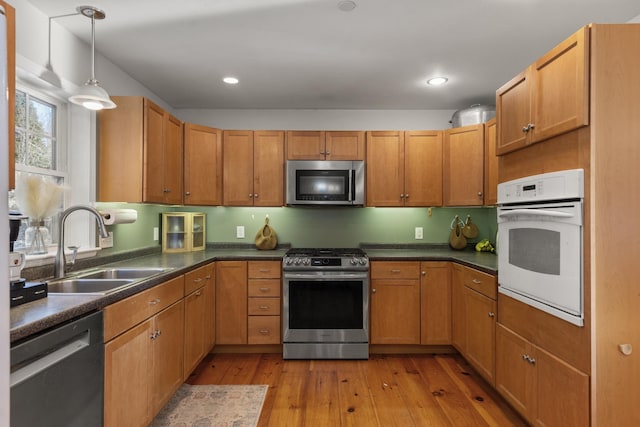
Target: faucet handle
<point>74,249</point>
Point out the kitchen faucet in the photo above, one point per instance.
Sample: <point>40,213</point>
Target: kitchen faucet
<point>61,259</point>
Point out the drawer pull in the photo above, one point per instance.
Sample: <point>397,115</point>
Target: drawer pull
<point>395,271</point>
<point>198,293</point>
<point>39,292</point>
<point>198,280</point>
<point>264,307</point>
<point>208,276</point>
<point>265,289</point>
<point>476,281</point>
<point>264,270</point>
<point>18,298</point>
<point>154,301</point>
<point>265,331</point>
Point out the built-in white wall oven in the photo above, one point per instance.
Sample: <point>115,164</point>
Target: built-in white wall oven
<point>540,242</point>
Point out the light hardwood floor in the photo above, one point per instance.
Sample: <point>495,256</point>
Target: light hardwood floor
<point>385,391</point>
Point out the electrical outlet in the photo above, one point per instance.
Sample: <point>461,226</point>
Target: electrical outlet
<point>156,233</point>
<point>240,232</point>
<point>419,233</point>
<point>107,242</point>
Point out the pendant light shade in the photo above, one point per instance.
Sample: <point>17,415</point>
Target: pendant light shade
<point>91,95</point>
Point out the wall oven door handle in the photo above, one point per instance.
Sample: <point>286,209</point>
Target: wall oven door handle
<point>534,213</point>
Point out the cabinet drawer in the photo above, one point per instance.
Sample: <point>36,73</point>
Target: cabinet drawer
<point>197,278</point>
<point>263,306</point>
<point>130,311</point>
<point>264,330</point>
<point>264,270</point>
<point>395,270</point>
<point>484,283</point>
<point>264,287</point>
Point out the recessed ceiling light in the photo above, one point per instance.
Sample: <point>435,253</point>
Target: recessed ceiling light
<point>437,81</point>
<point>230,80</point>
<point>346,5</point>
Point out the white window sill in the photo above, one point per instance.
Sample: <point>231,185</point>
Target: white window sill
<point>50,256</point>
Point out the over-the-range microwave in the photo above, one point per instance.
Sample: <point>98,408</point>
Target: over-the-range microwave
<point>325,182</point>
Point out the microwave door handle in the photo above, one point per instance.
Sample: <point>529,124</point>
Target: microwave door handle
<point>534,212</point>
<point>352,189</point>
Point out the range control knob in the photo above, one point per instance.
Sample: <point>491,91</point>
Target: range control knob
<point>306,261</point>
<point>354,261</point>
<point>363,261</point>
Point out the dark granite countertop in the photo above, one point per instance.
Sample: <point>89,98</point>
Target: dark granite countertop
<point>37,316</point>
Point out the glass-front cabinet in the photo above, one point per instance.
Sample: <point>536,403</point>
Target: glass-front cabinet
<point>183,231</point>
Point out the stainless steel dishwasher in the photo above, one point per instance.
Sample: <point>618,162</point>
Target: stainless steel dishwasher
<point>57,378</point>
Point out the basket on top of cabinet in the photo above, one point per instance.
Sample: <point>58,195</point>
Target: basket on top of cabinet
<point>183,231</point>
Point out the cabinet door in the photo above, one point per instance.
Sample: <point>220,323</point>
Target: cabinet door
<point>458,309</point>
<point>513,112</point>
<point>395,311</point>
<point>435,303</point>
<point>210,311</point>
<point>195,307</point>
<point>481,333</point>
<point>231,302</point>
<point>423,168</point>
<point>10,14</point>
<point>153,153</point>
<point>202,165</point>
<point>305,145</point>
<point>463,182</point>
<point>562,394</point>
<point>167,355</point>
<point>127,385</point>
<point>490,163</point>
<point>515,376</point>
<point>237,182</point>
<point>268,168</point>
<point>173,169</point>
<point>560,88</point>
<point>385,168</point>
<point>344,145</point>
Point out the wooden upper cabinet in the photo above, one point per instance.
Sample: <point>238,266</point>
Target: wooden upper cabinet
<point>268,168</point>
<point>325,145</point>
<point>423,168</point>
<point>404,168</point>
<point>490,163</point>
<point>385,168</point>
<point>463,166</point>
<point>253,171</point>
<point>549,98</point>
<point>139,153</point>
<point>202,165</point>
<point>344,145</point>
<point>10,15</point>
<point>237,154</point>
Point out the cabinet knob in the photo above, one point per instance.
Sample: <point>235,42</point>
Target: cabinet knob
<point>328,153</point>
<point>479,193</point>
<point>373,291</point>
<point>492,314</point>
<point>402,196</point>
<point>188,193</point>
<point>424,273</point>
<point>525,129</point>
<point>625,349</point>
<point>166,190</point>
<point>250,195</point>
<point>255,195</point>
<point>406,196</point>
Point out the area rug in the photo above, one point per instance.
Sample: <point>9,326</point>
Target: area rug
<point>213,406</point>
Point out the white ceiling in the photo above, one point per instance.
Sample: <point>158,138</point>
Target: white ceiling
<point>295,54</point>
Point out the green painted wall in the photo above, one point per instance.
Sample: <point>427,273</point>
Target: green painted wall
<point>308,227</point>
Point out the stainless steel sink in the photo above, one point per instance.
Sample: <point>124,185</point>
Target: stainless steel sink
<point>123,273</point>
<point>87,286</point>
<point>101,282</point>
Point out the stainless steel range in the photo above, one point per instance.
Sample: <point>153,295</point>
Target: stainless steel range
<point>325,304</point>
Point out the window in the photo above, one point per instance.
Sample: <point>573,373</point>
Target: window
<point>39,145</point>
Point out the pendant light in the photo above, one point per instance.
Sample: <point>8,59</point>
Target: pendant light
<point>91,95</point>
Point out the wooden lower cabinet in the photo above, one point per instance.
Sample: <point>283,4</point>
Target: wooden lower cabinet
<point>198,316</point>
<point>435,303</point>
<point>480,313</point>
<point>248,302</point>
<point>143,368</point>
<point>544,389</point>
<point>395,302</point>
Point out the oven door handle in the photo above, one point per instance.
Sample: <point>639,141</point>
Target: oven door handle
<point>325,276</point>
<point>534,212</point>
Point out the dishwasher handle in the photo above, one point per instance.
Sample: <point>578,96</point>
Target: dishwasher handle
<point>48,357</point>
